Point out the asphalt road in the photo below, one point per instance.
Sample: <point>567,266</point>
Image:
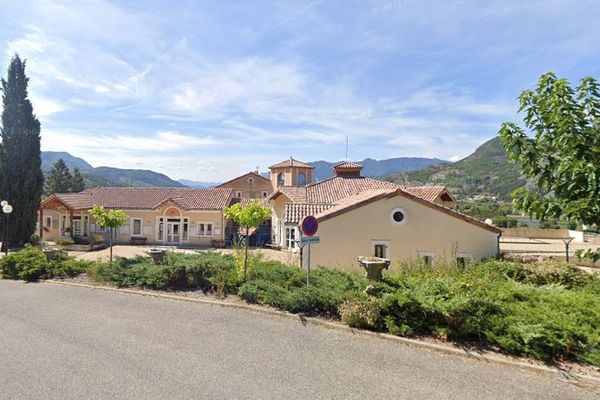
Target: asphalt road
<point>59,342</point>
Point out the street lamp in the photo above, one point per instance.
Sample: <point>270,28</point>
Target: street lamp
<point>6,209</point>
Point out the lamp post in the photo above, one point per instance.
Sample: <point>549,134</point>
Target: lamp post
<point>6,209</point>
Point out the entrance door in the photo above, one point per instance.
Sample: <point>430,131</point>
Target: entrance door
<point>77,228</point>
<point>174,232</point>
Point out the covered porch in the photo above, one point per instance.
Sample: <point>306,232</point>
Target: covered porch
<point>57,219</point>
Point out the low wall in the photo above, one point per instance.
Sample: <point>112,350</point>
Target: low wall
<point>538,233</point>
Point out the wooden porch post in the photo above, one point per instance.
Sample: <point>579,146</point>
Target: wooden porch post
<point>71,221</point>
<point>41,223</point>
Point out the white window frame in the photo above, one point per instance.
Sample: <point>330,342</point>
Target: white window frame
<point>385,243</point>
<point>204,233</point>
<point>46,224</point>
<point>423,254</point>
<point>467,256</point>
<point>160,235</point>
<point>141,227</point>
<point>291,242</point>
<point>239,194</point>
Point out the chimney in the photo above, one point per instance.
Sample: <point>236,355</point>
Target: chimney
<point>347,169</point>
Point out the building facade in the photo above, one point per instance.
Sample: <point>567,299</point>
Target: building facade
<point>166,216</point>
<point>361,216</point>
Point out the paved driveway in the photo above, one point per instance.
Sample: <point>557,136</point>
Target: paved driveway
<point>59,342</point>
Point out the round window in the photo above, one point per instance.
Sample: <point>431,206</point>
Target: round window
<point>398,216</point>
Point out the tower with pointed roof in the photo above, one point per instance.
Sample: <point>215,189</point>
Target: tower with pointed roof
<point>291,173</point>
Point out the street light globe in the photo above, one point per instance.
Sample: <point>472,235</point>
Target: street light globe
<point>7,209</point>
<point>3,203</point>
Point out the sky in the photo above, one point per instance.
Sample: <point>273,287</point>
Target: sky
<point>208,90</point>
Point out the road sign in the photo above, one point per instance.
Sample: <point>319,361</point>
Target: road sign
<point>309,225</point>
<point>309,240</point>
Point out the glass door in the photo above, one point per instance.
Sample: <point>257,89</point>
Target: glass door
<point>77,228</point>
<point>174,232</point>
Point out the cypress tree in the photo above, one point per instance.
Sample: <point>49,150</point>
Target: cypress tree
<point>22,174</point>
<point>59,178</point>
<point>77,181</point>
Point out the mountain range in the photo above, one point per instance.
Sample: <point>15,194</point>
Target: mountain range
<point>378,168</point>
<point>108,176</point>
<point>486,172</point>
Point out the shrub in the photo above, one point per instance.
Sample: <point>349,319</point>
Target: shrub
<point>360,313</point>
<point>284,287</point>
<point>62,265</point>
<point>65,241</point>
<point>34,240</point>
<point>546,273</point>
<point>28,264</point>
<point>205,271</point>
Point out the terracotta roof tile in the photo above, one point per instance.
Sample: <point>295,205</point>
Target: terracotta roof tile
<point>147,198</point>
<point>291,163</point>
<point>295,212</point>
<point>334,189</point>
<point>368,196</point>
<point>294,193</point>
<point>430,193</point>
<point>253,174</point>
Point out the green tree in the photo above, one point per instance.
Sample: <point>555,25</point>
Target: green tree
<point>77,181</point>
<point>109,219</point>
<point>247,217</point>
<point>559,149</point>
<point>23,179</point>
<point>59,178</point>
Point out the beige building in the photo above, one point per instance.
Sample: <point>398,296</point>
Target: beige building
<point>360,216</point>
<point>249,186</point>
<point>169,216</point>
<point>291,173</point>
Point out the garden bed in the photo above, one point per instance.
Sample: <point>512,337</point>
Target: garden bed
<point>547,311</point>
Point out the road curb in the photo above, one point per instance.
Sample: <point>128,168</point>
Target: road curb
<point>439,348</point>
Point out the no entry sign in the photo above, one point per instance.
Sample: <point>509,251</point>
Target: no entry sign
<point>309,225</point>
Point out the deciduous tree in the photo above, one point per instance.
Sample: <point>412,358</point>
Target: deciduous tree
<point>109,219</point>
<point>558,150</point>
<point>250,216</point>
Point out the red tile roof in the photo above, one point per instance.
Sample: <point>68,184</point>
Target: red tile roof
<point>291,163</point>
<point>369,196</point>
<point>295,212</point>
<point>430,193</point>
<point>343,193</point>
<point>252,174</point>
<point>146,198</point>
<point>347,164</point>
<point>334,189</point>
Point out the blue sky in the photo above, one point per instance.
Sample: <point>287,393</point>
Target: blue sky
<point>207,90</point>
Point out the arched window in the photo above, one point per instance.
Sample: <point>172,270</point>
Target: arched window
<point>280,179</point>
<point>301,179</point>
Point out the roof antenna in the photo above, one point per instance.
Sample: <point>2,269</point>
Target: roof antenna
<point>346,148</point>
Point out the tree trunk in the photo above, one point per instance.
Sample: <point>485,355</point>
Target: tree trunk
<point>246,257</point>
<point>110,244</point>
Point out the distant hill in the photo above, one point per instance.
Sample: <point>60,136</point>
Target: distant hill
<point>50,157</point>
<point>107,176</point>
<point>378,168</point>
<point>197,184</point>
<point>485,172</point>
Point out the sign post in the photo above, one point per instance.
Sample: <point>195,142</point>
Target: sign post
<point>309,227</point>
